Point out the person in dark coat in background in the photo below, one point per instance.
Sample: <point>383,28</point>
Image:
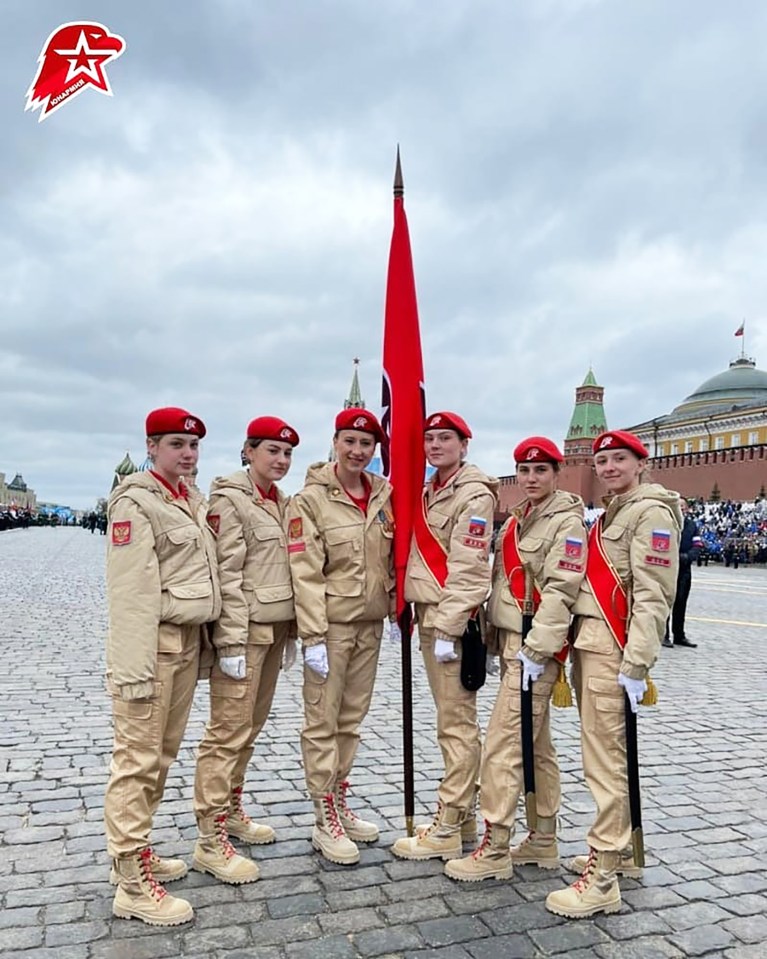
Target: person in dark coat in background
<point>688,551</point>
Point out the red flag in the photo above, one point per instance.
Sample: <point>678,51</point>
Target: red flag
<point>403,399</point>
<point>741,329</point>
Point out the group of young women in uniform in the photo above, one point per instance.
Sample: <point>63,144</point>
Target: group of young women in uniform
<point>224,589</point>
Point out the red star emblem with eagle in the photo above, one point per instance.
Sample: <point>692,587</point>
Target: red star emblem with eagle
<point>73,59</point>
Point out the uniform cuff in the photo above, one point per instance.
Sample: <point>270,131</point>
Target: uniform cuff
<point>225,651</point>
<point>136,690</point>
<point>535,656</point>
<point>313,641</point>
<point>445,638</point>
<point>632,671</point>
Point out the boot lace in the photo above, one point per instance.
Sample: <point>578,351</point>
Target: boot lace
<point>223,838</point>
<point>483,844</point>
<point>237,807</point>
<point>342,805</point>
<point>146,858</point>
<point>436,821</point>
<point>331,817</point>
<point>583,880</point>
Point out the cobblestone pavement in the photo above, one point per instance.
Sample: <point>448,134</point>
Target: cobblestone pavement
<point>702,751</point>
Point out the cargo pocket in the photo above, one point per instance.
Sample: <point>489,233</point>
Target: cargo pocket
<point>229,702</point>
<point>607,717</point>
<point>137,721</point>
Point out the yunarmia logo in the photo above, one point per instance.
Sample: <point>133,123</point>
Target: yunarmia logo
<point>73,58</point>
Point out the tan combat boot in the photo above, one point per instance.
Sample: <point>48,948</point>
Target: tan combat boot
<point>468,826</point>
<point>140,896</point>
<point>595,891</point>
<point>625,868</point>
<point>239,823</point>
<point>442,840</point>
<point>539,847</point>
<point>329,836</point>
<point>358,830</point>
<point>216,855</point>
<point>490,860</point>
<point>164,870</point>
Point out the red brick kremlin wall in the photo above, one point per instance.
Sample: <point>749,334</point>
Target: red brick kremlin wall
<point>739,474</point>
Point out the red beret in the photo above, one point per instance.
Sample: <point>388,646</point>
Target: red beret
<point>620,440</point>
<point>445,420</point>
<point>172,419</point>
<point>272,428</point>
<point>537,449</point>
<point>356,418</point>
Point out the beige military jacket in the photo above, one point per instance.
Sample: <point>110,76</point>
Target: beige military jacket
<point>552,545</point>
<point>340,561</point>
<point>641,537</point>
<point>251,545</point>
<point>161,574</point>
<point>460,514</point>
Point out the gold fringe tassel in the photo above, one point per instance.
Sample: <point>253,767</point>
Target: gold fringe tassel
<point>561,694</point>
<point>650,698</point>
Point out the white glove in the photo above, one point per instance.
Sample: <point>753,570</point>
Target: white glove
<point>492,666</point>
<point>635,689</point>
<point>444,651</point>
<point>394,634</point>
<point>530,671</point>
<point>289,654</point>
<point>316,658</point>
<point>232,666</point>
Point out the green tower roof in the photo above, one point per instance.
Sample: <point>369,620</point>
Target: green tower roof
<point>588,419</point>
<point>126,466</point>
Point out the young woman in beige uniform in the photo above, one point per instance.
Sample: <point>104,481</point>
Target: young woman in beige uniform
<point>621,613</point>
<point>340,536</point>
<point>162,586</point>
<point>542,544</point>
<point>448,577</point>
<point>247,513</point>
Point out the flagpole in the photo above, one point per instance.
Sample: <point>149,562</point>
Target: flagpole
<point>403,453</point>
<point>406,626</point>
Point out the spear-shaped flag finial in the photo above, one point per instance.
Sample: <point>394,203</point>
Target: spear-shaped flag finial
<point>399,186</point>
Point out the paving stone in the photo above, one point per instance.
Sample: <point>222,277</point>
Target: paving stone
<point>648,947</point>
<point>568,937</point>
<point>633,925</point>
<point>327,947</point>
<point>442,932</point>
<point>519,918</point>
<point>208,940</point>
<point>410,912</point>
<point>750,929</point>
<point>694,914</point>
<point>702,940</point>
<point>349,921</point>
<point>75,932</point>
<point>378,942</point>
<point>508,947</point>
<point>274,931</point>
<point>160,944</point>
<point>307,904</point>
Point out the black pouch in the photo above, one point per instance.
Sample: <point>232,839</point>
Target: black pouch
<point>473,657</point>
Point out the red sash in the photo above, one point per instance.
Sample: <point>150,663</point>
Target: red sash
<point>514,571</point>
<point>431,551</point>
<point>606,586</point>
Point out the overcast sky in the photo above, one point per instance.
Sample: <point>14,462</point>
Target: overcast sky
<point>586,183</point>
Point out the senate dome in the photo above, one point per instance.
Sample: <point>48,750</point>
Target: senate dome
<point>740,385</point>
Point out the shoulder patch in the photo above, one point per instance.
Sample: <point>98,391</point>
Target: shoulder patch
<point>214,521</point>
<point>657,561</point>
<point>121,533</point>
<point>477,525</point>
<point>573,547</point>
<point>661,540</point>
<point>474,543</point>
<point>296,528</point>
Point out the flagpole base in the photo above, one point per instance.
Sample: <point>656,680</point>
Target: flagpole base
<point>531,811</point>
<point>637,846</point>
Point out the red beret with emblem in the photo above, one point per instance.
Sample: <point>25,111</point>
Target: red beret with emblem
<point>356,418</point>
<point>537,449</point>
<point>172,419</point>
<point>620,440</point>
<point>272,428</point>
<point>445,420</point>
